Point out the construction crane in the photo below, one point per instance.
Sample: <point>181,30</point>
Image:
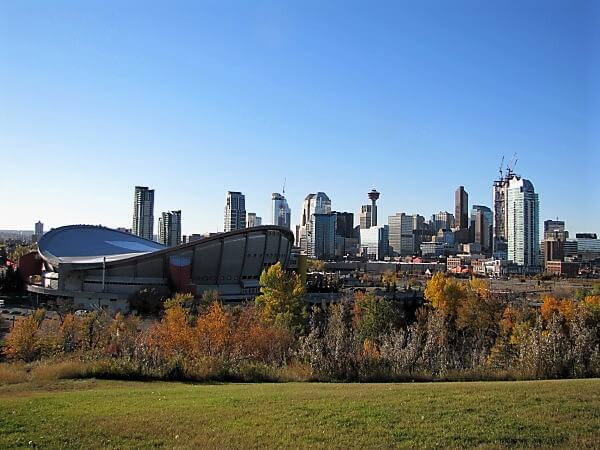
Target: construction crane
<point>501,164</point>
<point>512,164</point>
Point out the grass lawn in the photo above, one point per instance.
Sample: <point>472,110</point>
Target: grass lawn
<point>94,414</point>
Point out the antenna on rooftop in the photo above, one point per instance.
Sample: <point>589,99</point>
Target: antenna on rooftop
<point>284,180</point>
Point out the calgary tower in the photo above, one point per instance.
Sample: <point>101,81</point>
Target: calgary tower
<point>373,196</point>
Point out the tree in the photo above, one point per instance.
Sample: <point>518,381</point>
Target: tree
<point>316,265</point>
<point>445,293</point>
<point>372,316</point>
<point>149,300</point>
<point>23,340</point>
<point>280,301</point>
<point>21,250</point>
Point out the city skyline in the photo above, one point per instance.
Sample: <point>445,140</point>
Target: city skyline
<point>297,221</point>
<point>103,98</point>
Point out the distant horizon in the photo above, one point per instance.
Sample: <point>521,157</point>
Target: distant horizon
<point>197,98</point>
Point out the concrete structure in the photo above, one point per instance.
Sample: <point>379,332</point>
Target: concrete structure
<point>523,222</point>
<point>143,212</point>
<point>373,196</point>
<point>252,220</point>
<point>461,208</point>
<point>281,213</point>
<point>235,211</point>
<point>169,228</point>
<point>100,268</point>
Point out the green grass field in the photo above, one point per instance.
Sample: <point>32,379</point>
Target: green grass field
<point>94,414</point>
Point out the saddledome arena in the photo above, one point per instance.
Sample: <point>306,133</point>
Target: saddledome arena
<point>99,267</point>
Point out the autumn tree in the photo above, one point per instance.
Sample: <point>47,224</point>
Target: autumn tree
<point>280,301</point>
<point>23,340</point>
<point>445,293</point>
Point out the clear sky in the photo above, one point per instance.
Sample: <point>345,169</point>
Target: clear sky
<point>194,99</point>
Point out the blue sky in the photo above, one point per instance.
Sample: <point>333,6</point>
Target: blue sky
<point>194,99</point>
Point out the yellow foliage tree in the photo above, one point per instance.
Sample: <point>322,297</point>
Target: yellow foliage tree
<point>280,301</point>
<point>445,293</point>
<point>23,340</point>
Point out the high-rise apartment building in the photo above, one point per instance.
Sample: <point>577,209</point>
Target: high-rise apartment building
<point>143,212</point>
<point>38,231</point>
<point>235,211</point>
<point>169,228</point>
<point>281,215</point>
<point>253,220</point>
<point>318,203</point>
<point>522,209</point>
<point>461,208</point>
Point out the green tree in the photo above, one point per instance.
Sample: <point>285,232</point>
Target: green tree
<point>280,301</point>
<point>373,316</point>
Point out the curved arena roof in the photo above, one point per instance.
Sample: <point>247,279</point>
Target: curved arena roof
<point>90,244</point>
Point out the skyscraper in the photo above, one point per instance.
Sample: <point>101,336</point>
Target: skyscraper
<point>318,203</point>
<point>169,228</point>
<point>143,212</point>
<point>461,208</point>
<point>322,245</point>
<point>404,237</point>
<point>345,241</point>
<point>482,227</point>
<point>555,236</point>
<point>500,242</point>
<point>442,221</point>
<point>281,211</point>
<point>364,217</point>
<point>253,220</point>
<point>235,211</point>
<point>523,222</point>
